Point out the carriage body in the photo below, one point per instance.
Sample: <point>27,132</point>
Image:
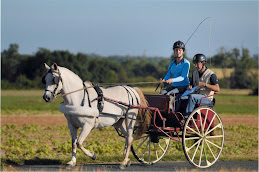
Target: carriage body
<point>174,119</point>
<point>201,133</point>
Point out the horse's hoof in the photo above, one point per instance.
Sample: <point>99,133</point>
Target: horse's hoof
<point>128,163</point>
<point>94,157</point>
<point>70,164</point>
<point>122,167</point>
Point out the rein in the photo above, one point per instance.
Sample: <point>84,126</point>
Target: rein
<point>109,85</point>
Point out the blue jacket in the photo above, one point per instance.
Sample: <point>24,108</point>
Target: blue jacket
<point>179,73</point>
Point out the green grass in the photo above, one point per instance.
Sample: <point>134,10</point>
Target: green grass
<point>236,104</point>
<point>31,102</point>
<point>241,143</point>
<point>32,144</point>
<point>28,105</point>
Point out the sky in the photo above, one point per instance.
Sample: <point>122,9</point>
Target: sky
<point>129,27</point>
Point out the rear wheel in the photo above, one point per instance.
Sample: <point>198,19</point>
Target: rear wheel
<point>150,147</point>
<point>203,137</point>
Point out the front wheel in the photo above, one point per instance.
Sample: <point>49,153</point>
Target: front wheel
<point>150,148</point>
<point>203,137</point>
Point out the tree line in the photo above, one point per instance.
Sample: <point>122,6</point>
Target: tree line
<point>22,71</point>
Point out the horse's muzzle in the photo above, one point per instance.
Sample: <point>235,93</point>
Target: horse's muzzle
<point>46,98</point>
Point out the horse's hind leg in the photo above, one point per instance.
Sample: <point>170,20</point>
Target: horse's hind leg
<point>127,129</point>
<point>73,132</point>
<point>129,140</point>
<point>84,133</point>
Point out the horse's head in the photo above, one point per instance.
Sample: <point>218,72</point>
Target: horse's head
<point>53,82</point>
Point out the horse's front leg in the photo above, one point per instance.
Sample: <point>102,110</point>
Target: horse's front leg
<point>73,132</point>
<point>84,133</point>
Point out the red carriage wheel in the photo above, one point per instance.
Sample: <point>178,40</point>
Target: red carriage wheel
<point>203,137</point>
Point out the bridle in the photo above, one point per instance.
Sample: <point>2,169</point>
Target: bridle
<point>54,94</point>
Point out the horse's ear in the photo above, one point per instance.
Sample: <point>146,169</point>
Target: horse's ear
<point>46,66</point>
<point>54,66</point>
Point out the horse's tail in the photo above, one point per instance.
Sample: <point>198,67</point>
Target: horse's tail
<point>144,116</point>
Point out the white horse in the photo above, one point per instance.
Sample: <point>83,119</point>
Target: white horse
<point>80,108</point>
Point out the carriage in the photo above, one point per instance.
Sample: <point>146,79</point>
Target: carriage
<point>201,133</point>
<point>91,107</point>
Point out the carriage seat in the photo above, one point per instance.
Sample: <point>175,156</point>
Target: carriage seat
<point>181,104</point>
<point>159,101</point>
<point>213,102</point>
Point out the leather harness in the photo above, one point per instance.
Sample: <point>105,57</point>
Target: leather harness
<point>99,98</point>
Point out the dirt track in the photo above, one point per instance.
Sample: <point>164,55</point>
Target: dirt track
<point>60,120</point>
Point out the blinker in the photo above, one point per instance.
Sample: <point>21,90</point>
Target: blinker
<point>43,81</point>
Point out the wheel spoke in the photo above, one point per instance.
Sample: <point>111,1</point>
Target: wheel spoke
<point>141,143</point>
<point>161,147</point>
<point>205,119</point>
<point>167,141</point>
<point>218,126</point>
<point>206,158</point>
<point>145,150</point>
<point>192,138</point>
<point>201,152</point>
<point>202,128</point>
<point>212,137</point>
<point>196,126</point>
<point>149,158</point>
<point>211,122</point>
<point>187,149</point>
<point>196,149</point>
<point>193,131</point>
<point>138,138</point>
<point>155,150</point>
<point>214,144</point>
<point>210,149</point>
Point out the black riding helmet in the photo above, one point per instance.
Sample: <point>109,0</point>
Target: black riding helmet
<point>199,58</point>
<point>179,44</point>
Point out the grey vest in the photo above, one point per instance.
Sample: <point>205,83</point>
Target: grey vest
<point>205,78</point>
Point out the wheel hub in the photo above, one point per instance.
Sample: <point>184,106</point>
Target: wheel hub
<point>154,139</point>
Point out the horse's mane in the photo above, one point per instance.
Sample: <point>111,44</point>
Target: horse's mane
<point>65,70</point>
<point>88,84</point>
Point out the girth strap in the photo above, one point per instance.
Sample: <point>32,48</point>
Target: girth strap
<point>100,103</point>
<point>83,101</point>
<point>100,99</point>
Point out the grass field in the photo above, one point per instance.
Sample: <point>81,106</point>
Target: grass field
<point>32,144</point>
<point>228,102</point>
<point>226,72</point>
<point>221,73</point>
